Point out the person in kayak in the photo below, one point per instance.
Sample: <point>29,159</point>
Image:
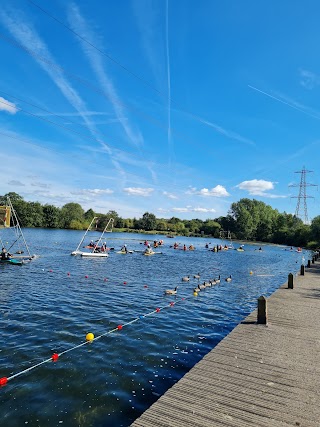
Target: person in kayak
<point>4,254</point>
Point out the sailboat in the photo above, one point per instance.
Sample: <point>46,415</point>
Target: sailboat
<point>18,246</point>
<point>94,250</point>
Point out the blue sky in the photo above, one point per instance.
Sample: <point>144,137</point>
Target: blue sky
<point>173,107</point>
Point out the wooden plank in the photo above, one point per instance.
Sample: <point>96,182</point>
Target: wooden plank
<point>259,375</point>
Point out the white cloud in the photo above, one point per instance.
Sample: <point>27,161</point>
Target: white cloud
<point>258,187</point>
<point>7,106</point>
<point>93,192</point>
<point>191,209</point>
<point>138,191</point>
<point>217,191</point>
<point>169,195</point>
<point>203,210</point>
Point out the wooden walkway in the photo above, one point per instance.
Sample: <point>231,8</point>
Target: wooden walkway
<point>258,376</point>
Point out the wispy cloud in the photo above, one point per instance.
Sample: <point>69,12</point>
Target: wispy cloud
<point>138,191</point>
<point>290,103</point>
<point>309,79</point>
<point>79,25</point>
<point>40,184</point>
<point>7,106</point>
<point>259,187</point>
<point>227,133</point>
<point>16,183</point>
<point>94,192</point>
<point>217,191</point>
<point>169,195</point>
<point>192,209</point>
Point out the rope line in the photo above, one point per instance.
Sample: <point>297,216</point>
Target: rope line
<point>55,356</point>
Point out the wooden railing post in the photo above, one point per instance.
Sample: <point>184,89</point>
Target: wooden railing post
<point>262,311</point>
<point>290,281</point>
<point>302,270</point>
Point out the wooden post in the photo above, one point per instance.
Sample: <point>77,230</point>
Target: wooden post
<point>309,263</point>
<point>290,281</point>
<point>262,311</point>
<point>302,270</point>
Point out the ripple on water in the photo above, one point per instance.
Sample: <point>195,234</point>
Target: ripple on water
<point>112,380</point>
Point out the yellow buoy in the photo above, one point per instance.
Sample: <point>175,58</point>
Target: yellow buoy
<point>195,294</point>
<point>89,336</point>
<point>251,272</point>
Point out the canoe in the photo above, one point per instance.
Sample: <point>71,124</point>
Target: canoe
<point>11,261</point>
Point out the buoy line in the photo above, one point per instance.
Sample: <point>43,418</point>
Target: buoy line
<point>89,339</point>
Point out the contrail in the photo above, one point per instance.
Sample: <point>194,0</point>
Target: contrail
<point>284,102</point>
<point>169,84</point>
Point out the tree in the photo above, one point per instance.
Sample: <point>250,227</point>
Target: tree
<point>148,221</point>
<point>89,215</point>
<point>51,216</point>
<point>71,212</point>
<point>315,228</point>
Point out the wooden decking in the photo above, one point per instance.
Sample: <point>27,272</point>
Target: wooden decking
<point>258,376</point>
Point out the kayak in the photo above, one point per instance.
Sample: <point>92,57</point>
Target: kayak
<point>148,253</point>
<point>12,261</point>
<point>124,252</point>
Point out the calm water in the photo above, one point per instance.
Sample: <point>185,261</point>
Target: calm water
<point>111,381</point>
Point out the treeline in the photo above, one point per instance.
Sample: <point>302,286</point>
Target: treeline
<point>247,219</point>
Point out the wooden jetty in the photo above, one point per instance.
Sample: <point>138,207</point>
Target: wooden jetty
<point>260,375</point>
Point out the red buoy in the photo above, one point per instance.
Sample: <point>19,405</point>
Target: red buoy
<point>3,380</point>
<point>68,274</point>
<point>55,357</point>
<point>50,271</point>
<point>157,310</point>
<point>124,283</point>
<point>145,286</point>
<point>119,327</point>
<point>171,304</point>
<point>86,276</point>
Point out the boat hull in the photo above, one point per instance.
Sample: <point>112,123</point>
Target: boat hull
<point>94,255</point>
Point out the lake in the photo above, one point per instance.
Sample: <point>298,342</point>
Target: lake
<point>50,304</point>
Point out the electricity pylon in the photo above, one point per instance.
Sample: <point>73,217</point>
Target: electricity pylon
<point>302,197</point>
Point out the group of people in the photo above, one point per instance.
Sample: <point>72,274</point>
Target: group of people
<point>102,248</point>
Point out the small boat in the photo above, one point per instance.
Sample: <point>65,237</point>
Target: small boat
<point>94,254</point>
<point>95,250</point>
<point>149,253</point>
<point>125,252</point>
<point>9,222</point>
<point>11,261</point>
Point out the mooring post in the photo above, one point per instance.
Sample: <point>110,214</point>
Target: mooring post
<point>309,263</point>
<point>290,281</point>
<point>302,270</point>
<point>313,260</point>
<point>262,311</point>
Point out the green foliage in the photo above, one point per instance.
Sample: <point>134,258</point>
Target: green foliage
<point>247,219</point>
<point>71,212</point>
<point>51,216</point>
<point>148,221</point>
